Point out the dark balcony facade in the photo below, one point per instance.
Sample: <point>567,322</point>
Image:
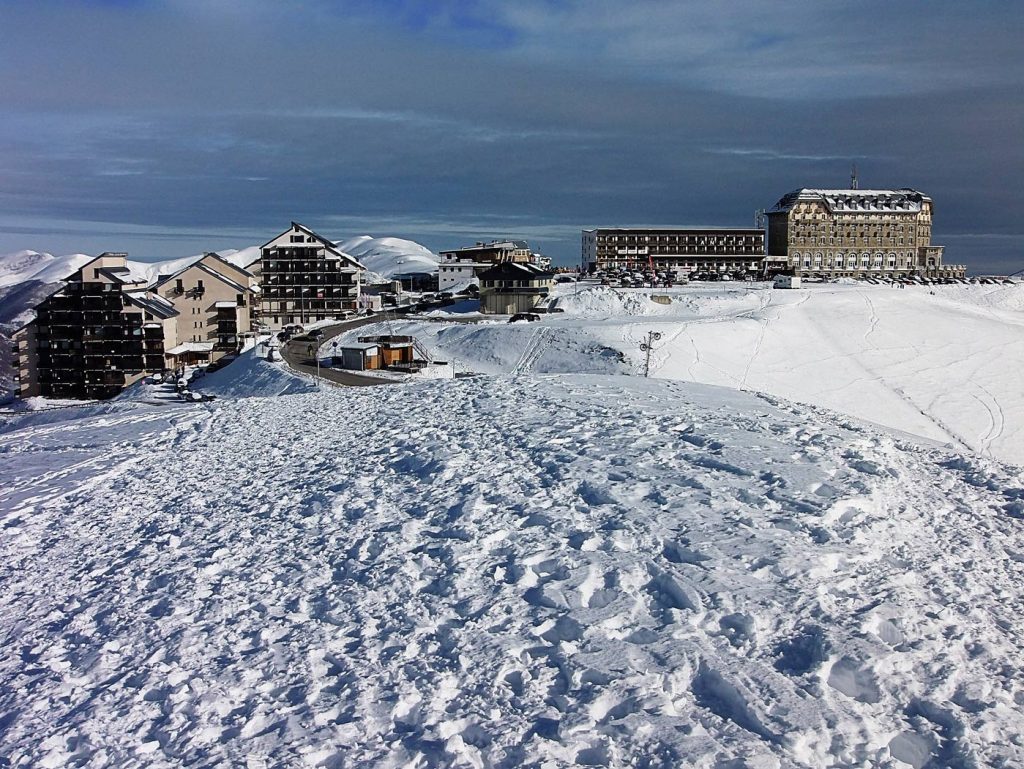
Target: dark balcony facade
<point>89,344</point>
<point>302,284</point>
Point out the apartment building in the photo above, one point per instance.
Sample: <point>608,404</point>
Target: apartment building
<point>461,267</point>
<point>512,287</point>
<point>106,327</point>
<point>100,332</point>
<point>856,233</point>
<point>682,250</point>
<point>304,279</point>
<point>215,301</point>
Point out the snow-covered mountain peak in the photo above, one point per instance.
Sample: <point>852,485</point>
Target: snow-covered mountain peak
<point>387,256</point>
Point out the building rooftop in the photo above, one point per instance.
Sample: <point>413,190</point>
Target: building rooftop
<point>688,229</point>
<point>494,244</point>
<point>191,347</point>
<point>516,271</point>
<point>152,303</point>
<point>330,247</point>
<point>904,200</point>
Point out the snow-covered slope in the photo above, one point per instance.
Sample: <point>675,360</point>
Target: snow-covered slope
<point>23,266</point>
<point>944,363</point>
<point>390,256</point>
<point>505,572</point>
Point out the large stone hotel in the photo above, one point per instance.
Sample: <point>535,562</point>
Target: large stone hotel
<point>856,233</point>
<point>810,232</point>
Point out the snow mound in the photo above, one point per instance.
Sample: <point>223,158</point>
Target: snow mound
<point>390,256</point>
<point>252,376</point>
<point>505,572</point>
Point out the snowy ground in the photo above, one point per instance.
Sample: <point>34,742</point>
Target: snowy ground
<point>944,363</point>
<point>504,572</point>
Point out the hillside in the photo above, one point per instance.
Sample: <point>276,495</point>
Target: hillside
<point>504,572</point>
<point>386,257</point>
<point>944,362</point>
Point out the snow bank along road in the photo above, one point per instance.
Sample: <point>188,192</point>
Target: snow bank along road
<point>945,365</point>
<point>505,572</point>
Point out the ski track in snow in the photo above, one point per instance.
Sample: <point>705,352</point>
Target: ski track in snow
<point>505,572</point>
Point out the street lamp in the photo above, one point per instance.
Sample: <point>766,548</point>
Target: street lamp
<point>646,347</point>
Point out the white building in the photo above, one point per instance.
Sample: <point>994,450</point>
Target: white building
<point>461,267</point>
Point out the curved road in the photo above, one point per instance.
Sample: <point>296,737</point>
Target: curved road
<point>297,357</point>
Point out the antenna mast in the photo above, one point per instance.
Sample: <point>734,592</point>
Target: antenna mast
<point>854,184</point>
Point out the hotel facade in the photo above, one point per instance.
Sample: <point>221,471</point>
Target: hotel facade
<point>856,233</point>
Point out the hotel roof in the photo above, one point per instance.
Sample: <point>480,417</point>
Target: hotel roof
<point>904,200</point>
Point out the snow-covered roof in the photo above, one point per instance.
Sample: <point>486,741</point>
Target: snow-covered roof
<point>209,271</point>
<point>903,200</point>
<point>191,347</point>
<point>494,245</point>
<point>362,346</point>
<point>329,245</point>
<point>225,305</point>
<point>516,270</point>
<point>123,275</point>
<point>153,303</point>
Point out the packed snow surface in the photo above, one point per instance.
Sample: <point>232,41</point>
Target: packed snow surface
<point>502,572</point>
<point>945,363</point>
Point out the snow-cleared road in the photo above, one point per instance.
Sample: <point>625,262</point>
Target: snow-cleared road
<point>504,572</point>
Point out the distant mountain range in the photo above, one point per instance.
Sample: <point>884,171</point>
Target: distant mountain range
<point>382,256</point>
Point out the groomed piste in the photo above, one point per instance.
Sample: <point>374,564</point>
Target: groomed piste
<point>504,571</point>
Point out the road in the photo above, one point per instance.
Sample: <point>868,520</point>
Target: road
<point>298,357</point>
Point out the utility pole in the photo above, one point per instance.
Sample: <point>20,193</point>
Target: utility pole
<point>646,347</point>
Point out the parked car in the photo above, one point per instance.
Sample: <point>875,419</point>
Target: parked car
<point>529,317</point>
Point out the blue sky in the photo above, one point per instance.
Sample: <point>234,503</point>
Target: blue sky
<point>165,127</point>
